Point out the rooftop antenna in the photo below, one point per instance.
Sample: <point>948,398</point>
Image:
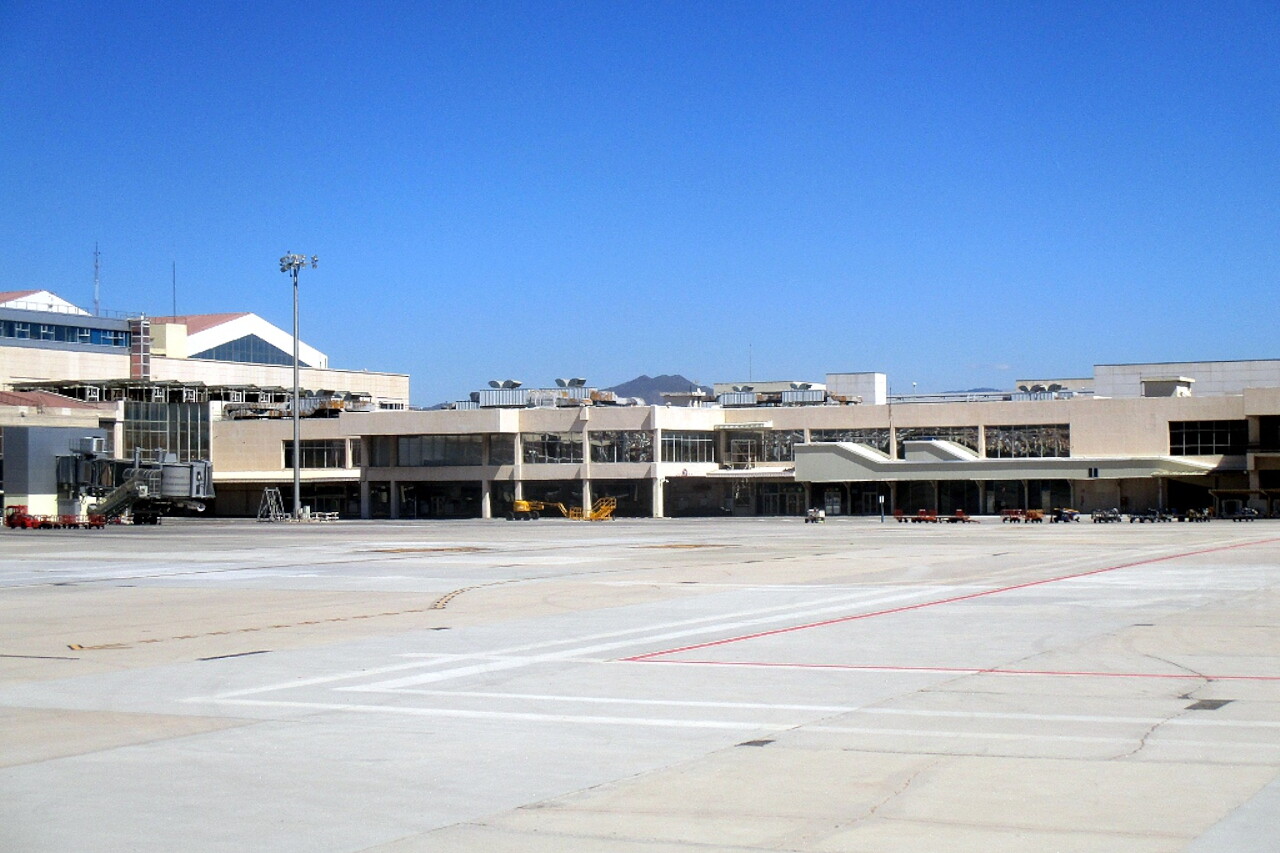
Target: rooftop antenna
<point>96,311</point>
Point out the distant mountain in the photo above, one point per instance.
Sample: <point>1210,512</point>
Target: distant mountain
<point>650,388</point>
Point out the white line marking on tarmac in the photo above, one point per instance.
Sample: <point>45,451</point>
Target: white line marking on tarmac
<point>639,635</point>
<point>607,700</point>
<point>497,666</point>
<point>730,725</point>
<point>514,715</point>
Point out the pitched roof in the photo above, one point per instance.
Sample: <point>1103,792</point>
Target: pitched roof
<point>43,398</point>
<point>200,322</point>
<point>12,295</point>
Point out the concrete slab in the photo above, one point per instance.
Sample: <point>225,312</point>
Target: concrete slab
<point>438,686</point>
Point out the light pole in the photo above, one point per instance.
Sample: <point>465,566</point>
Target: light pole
<point>292,264</point>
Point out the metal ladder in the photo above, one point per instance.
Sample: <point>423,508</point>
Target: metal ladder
<point>271,507</point>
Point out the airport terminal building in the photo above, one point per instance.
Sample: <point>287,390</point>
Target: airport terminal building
<point>1188,435</point>
<point>1135,436</point>
<point>174,384</point>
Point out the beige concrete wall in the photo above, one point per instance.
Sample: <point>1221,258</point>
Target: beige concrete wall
<point>1212,378</point>
<point>30,416</point>
<point>435,422</point>
<point>29,364</point>
<point>1138,426</point>
<point>254,449</point>
<point>169,339</point>
<point>1262,401</point>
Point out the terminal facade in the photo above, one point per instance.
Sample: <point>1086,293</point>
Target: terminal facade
<point>1177,436</point>
<point>1189,435</point>
<point>162,384</point>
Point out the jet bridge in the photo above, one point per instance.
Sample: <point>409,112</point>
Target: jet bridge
<point>145,487</point>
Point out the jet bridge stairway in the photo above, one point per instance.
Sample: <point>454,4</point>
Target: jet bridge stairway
<point>139,483</point>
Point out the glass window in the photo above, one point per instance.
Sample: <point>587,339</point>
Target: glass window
<point>776,444</point>
<point>621,446</point>
<point>1022,441</point>
<point>440,450</point>
<point>748,447</point>
<point>875,438</point>
<point>964,436</point>
<point>502,449</point>
<point>357,452</point>
<point>382,451</point>
<point>318,453</point>
<point>678,446</point>
<point>250,349</point>
<point>179,428</point>
<point>552,446</point>
<point>1208,438</point>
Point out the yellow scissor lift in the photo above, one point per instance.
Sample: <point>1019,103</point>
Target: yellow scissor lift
<point>601,510</point>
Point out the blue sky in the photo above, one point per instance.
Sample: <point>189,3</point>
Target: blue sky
<point>956,194</point>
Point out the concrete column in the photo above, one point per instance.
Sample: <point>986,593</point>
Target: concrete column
<point>517,485</point>
<point>486,499</point>
<point>364,498</point>
<point>585,414</point>
<point>395,499</point>
<point>659,504</point>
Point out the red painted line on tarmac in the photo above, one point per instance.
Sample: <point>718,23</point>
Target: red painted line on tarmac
<point>966,670</point>
<point>952,600</point>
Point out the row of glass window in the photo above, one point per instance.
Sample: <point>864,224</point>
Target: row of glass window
<point>58,333</point>
<point>746,447</point>
<point>178,428</point>
<point>250,349</point>
<point>1208,438</point>
<point>536,448</point>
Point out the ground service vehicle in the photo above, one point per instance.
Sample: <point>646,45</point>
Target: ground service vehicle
<point>601,510</point>
<point>18,518</point>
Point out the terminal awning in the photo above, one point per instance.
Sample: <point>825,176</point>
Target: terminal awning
<point>836,462</point>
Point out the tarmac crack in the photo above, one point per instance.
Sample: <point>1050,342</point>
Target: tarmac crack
<point>899,791</point>
<point>1146,736</point>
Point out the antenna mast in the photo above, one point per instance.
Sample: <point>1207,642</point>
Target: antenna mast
<point>96,311</point>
